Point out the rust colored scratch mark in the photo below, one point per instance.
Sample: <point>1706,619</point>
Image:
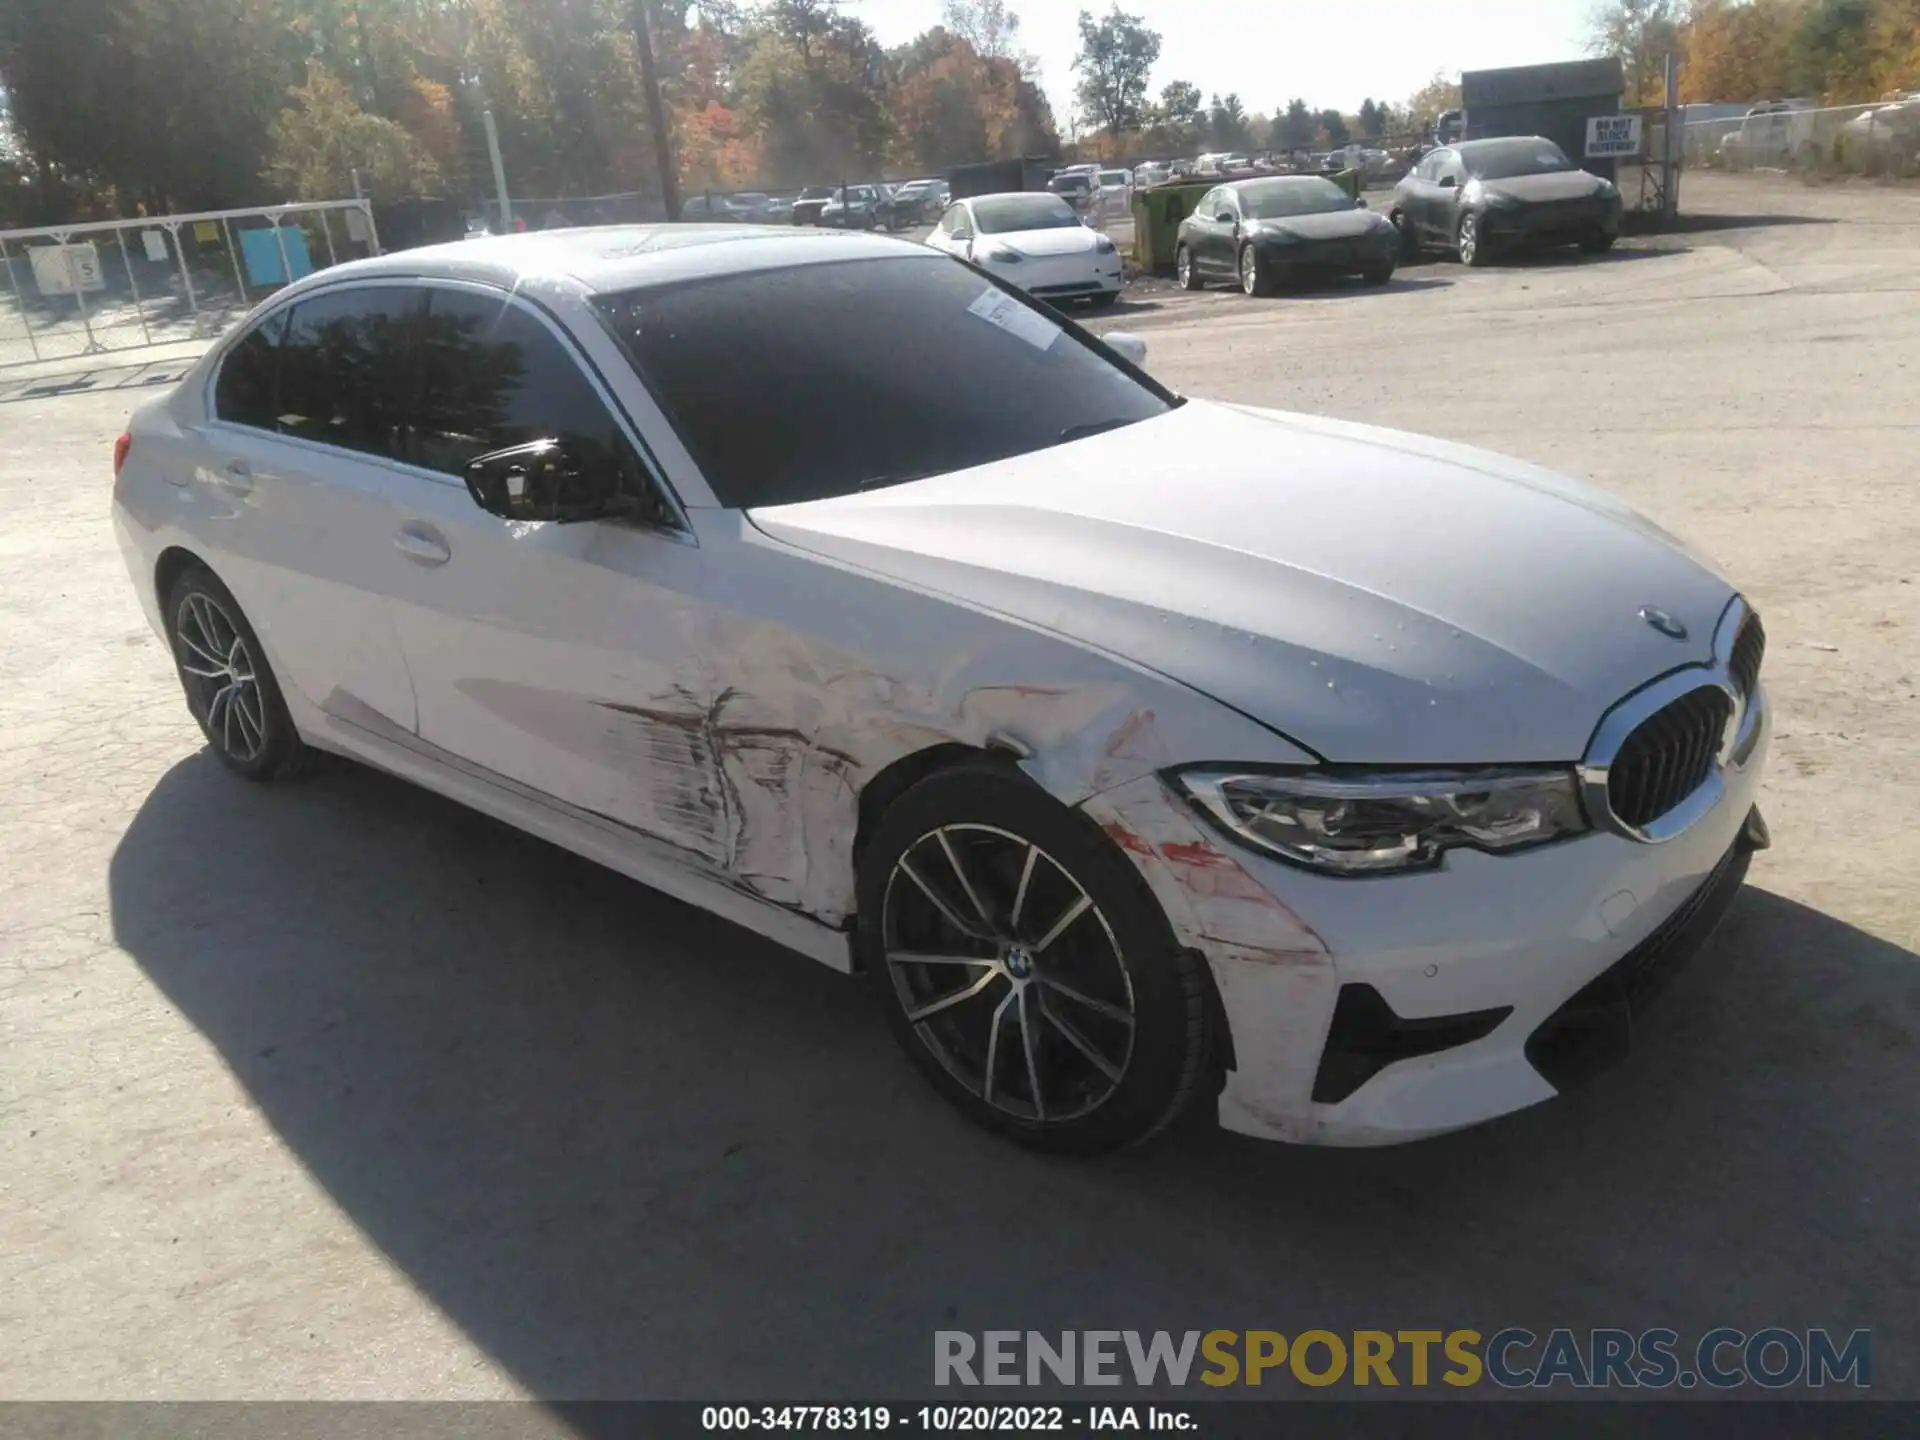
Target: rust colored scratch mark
<point>1123,740</point>
<point>1126,839</point>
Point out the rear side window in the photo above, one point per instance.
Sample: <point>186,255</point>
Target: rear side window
<point>493,376</point>
<point>249,376</point>
<point>346,369</point>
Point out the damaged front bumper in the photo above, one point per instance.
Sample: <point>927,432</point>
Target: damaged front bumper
<point>1368,1012</point>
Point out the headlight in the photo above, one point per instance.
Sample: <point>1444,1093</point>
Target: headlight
<point>1389,823</point>
<point>1103,246</point>
<point>1000,255</point>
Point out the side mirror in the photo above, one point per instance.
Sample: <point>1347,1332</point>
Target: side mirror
<point>1359,204</point>
<point>1129,347</point>
<point>547,480</point>
<point>1449,182</point>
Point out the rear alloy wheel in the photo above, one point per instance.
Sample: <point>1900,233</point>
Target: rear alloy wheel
<point>230,689</point>
<point>1025,968</point>
<point>1254,277</point>
<point>1473,250</point>
<point>1185,270</point>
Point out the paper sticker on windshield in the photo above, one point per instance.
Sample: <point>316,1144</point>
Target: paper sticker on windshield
<point>998,308</point>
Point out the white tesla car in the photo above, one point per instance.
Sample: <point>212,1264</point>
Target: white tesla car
<point>1033,240</point>
<point>1138,750</point>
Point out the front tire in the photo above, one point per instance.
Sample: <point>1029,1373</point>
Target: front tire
<point>1598,244</point>
<point>1470,243</point>
<point>1185,270</point>
<point>1255,278</point>
<point>1106,300</point>
<point>1026,969</point>
<point>231,690</point>
<point>1377,274</point>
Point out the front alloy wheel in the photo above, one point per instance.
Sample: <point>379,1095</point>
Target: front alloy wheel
<point>1025,968</point>
<point>1473,250</point>
<point>1008,972</point>
<point>1254,278</point>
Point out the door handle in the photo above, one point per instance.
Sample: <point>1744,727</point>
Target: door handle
<point>422,544</point>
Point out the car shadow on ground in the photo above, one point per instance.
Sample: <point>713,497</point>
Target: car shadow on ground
<point>637,1152</point>
<point>136,375</point>
<point>1695,224</point>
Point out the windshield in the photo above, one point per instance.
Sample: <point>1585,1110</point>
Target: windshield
<point>817,192</point>
<point>1507,159</point>
<point>1279,199</point>
<point>800,384</point>
<point>1005,214</point>
<point>1113,177</point>
<point>1069,182</point>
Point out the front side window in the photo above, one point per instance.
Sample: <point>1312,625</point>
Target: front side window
<point>493,376</point>
<point>346,374</point>
<point>249,376</point>
<point>1009,214</point>
<point>794,385</point>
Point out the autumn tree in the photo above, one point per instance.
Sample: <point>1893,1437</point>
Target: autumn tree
<point>1117,54</point>
<point>323,138</point>
<point>1431,101</point>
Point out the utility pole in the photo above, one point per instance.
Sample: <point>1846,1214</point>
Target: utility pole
<point>656,109</point>
<point>499,172</point>
<point>1675,140</point>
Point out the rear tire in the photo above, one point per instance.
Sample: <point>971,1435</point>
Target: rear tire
<point>1185,270</point>
<point>1069,1019</point>
<point>231,690</point>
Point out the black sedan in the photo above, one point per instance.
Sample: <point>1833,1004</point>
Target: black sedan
<point>1481,197</point>
<point>1261,232</point>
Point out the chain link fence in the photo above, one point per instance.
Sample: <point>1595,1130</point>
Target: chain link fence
<point>1879,139</point>
<point>113,285</point>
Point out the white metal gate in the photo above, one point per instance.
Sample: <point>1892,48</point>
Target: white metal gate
<point>110,285</point>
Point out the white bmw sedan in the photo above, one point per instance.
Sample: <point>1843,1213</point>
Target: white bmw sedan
<point>1033,240</point>
<point>1138,751</point>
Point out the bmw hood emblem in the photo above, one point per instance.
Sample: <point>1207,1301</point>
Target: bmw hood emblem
<point>1663,622</point>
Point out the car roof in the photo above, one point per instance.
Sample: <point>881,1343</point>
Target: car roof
<point>605,258</point>
<point>1266,180</point>
<point>1487,142</point>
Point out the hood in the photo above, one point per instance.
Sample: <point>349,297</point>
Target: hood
<point>1560,185</point>
<point>1334,225</point>
<point>1060,240</point>
<point>1375,597</point>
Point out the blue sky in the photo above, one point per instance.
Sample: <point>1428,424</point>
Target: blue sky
<point>1331,54</point>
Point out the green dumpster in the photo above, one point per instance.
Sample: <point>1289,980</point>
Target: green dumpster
<point>1157,214</point>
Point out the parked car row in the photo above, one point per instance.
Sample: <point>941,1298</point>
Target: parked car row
<point>871,207</point>
<point>1478,199</point>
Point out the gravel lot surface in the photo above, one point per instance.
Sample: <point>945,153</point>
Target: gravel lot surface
<point>334,1090</point>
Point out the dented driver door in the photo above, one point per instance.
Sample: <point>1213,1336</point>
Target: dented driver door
<point>561,657</point>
